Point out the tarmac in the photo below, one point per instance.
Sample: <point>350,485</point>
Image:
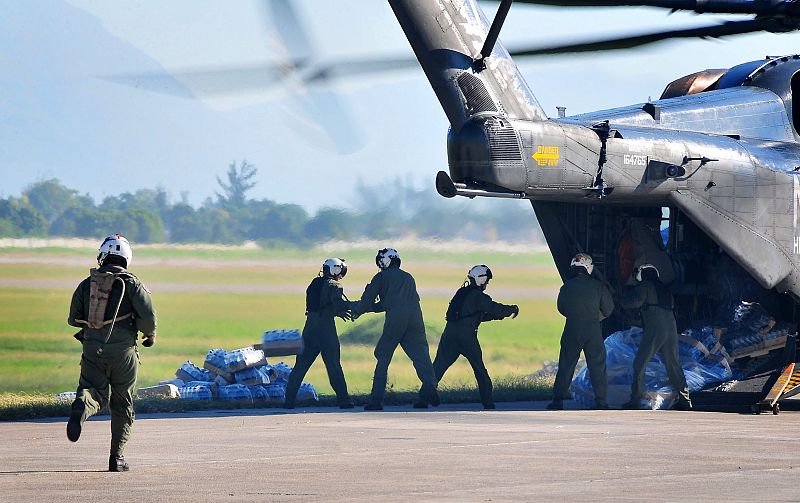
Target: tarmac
<point>519,452</point>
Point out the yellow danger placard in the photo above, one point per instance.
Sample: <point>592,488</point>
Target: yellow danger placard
<point>546,156</point>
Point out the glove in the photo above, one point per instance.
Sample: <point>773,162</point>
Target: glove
<point>148,340</point>
<point>78,336</point>
<point>346,315</point>
<point>514,311</point>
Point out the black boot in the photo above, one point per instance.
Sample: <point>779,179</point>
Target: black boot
<point>75,423</point>
<point>118,464</point>
<point>435,400</point>
<point>489,406</point>
<point>345,403</point>
<point>373,406</point>
<point>556,405</point>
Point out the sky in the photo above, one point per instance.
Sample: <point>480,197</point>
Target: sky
<point>66,115</point>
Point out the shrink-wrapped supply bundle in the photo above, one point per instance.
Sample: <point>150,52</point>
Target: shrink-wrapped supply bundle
<point>191,372</point>
<point>240,359</point>
<point>753,332</point>
<point>215,362</point>
<point>195,393</point>
<point>259,393</point>
<point>242,375</point>
<point>253,376</point>
<point>307,392</point>
<point>210,385</point>
<point>282,370</point>
<point>276,392</point>
<point>235,392</point>
<point>162,390</point>
<point>282,342</point>
<point>702,366</point>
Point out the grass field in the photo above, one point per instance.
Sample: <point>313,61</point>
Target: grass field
<point>227,298</point>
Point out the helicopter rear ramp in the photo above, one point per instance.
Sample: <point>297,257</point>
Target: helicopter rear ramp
<point>769,381</point>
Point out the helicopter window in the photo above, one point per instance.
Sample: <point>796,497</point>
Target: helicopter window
<point>796,109</point>
<point>665,225</point>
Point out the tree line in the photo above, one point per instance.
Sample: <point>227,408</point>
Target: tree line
<point>48,208</point>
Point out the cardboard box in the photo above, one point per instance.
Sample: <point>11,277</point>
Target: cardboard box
<point>281,348</point>
<point>228,376</point>
<point>162,390</point>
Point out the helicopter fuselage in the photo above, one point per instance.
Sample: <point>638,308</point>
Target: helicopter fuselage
<point>722,154</point>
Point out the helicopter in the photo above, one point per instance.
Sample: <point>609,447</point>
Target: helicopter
<point>714,162</point>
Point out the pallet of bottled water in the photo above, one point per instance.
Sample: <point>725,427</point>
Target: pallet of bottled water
<point>281,342</point>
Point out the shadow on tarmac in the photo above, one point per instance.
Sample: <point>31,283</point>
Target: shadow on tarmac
<point>538,406</point>
<point>23,472</point>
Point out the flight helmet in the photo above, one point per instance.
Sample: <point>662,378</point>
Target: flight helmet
<point>480,275</point>
<point>334,267</point>
<point>387,257</point>
<point>116,244</point>
<point>583,260</point>
<point>643,268</point>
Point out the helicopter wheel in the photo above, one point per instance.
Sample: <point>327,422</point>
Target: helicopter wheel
<point>776,409</point>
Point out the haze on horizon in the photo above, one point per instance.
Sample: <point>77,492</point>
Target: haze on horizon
<point>62,120</point>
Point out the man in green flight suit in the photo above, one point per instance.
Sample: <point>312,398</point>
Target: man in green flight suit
<point>110,306</point>
<point>324,301</point>
<point>585,301</point>
<point>403,326</point>
<point>656,303</point>
<point>469,307</point>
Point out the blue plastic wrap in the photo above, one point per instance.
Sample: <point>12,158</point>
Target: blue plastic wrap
<point>216,357</point>
<point>253,376</point>
<point>235,392</point>
<point>191,372</point>
<point>282,370</point>
<point>258,392</point>
<point>276,391</point>
<point>702,361</point>
<point>281,335</point>
<point>242,358</point>
<point>195,393</point>
<point>307,392</point>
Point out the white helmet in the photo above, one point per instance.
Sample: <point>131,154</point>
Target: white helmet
<point>639,270</point>
<point>386,257</point>
<point>583,260</point>
<point>116,244</point>
<point>334,267</point>
<point>480,274</point>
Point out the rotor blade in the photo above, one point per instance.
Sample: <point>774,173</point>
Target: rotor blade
<point>282,17</point>
<point>358,67</point>
<point>757,7</point>
<point>713,31</point>
<point>215,81</point>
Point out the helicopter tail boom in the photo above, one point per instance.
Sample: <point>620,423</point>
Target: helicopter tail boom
<point>447,38</point>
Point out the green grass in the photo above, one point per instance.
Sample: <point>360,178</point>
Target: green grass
<point>40,356</point>
<point>284,252</point>
<point>16,406</point>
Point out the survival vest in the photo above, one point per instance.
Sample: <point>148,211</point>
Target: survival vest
<point>454,310</point>
<point>664,298</point>
<point>100,285</point>
<point>314,295</point>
